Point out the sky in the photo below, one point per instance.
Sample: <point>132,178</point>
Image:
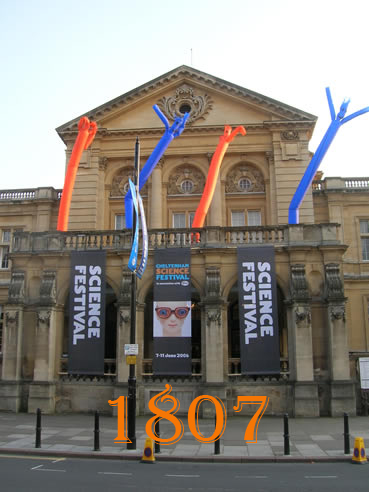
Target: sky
<point>60,59</point>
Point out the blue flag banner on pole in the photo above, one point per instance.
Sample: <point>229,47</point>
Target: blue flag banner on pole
<point>132,262</point>
<point>145,239</point>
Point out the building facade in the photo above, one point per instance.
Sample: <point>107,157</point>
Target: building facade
<point>322,264</point>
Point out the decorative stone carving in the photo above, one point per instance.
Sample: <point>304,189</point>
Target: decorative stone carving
<point>212,287</point>
<point>302,314</point>
<point>125,316</point>
<point>125,287</point>
<point>244,174</point>
<point>186,173</point>
<point>11,318</point>
<point>298,285</point>
<point>333,282</point>
<point>184,101</point>
<point>213,316</point>
<point>337,313</point>
<point>48,288</point>
<point>270,158</point>
<point>16,288</point>
<point>290,135</point>
<point>119,186</point>
<point>103,162</point>
<point>44,317</point>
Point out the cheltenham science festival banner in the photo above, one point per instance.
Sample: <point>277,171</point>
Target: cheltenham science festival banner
<point>172,312</point>
<point>87,313</point>
<point>259,339</point>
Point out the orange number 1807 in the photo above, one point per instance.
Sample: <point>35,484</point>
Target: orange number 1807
<point>193,417</point>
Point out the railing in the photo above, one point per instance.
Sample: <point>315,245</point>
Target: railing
<point>208,237</point>
<point>110,372</point>
<point>147,373</point>
<point>17,194</point>
<point>30,194</point>
<point>234,372</point>
<point>348,184</point>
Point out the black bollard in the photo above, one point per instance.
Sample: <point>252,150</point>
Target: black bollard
<point>157,433</point>
<point>286,436</point>
<point>97,432</point>
<point>217,442</point>
<point>346,434</point>
<point>38,429</point>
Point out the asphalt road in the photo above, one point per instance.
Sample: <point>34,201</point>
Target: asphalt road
<point>40,474</point>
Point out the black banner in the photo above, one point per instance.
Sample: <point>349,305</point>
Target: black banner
<point>172,312</point>
<point>87,313</point>
<point>259,338</point>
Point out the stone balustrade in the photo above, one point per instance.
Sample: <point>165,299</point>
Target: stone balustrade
<point>208,237</point>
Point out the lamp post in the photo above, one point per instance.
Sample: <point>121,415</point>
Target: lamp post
<point>132,367</point>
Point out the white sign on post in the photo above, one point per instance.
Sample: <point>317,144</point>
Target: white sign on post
<point>364,372</point>
<point>132,349</point>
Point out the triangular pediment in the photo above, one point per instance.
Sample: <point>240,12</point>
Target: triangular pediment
<point>211,101</point>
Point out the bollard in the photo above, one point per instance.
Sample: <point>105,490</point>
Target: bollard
<point>217,442</point>
<point>97,432</point>
<point>38,429</point>
<point>346,434</point>
<point>157,433</point>
<point>286,436</point>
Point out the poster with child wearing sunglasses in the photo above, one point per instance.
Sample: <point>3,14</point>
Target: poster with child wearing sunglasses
<point>172,319</point>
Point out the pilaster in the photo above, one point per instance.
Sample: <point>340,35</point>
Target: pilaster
<point>42,390</point>
<point>342,388</point>
<point>11,387</point>
<point>301,345</point>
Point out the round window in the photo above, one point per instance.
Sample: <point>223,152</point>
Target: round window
<point>245,184</point>
<point>185,108</point>
<point>187,186</point>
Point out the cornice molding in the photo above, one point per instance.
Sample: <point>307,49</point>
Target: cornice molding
<point>181,74</point>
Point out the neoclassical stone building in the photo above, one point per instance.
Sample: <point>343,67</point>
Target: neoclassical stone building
<point>322,265</point>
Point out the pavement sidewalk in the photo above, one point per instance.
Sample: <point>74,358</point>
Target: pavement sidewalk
<point>311,439</point>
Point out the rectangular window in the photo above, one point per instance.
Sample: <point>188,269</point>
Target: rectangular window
<point>4,257</point>
<point>253,217</point>
<point>120,222</point>
<point>179,220</point>
<point>191,216</point>
<point>364,236</point>
<point>6,236</point>
<point>237,218</point>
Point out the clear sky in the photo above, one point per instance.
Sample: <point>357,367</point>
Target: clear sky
<point>60,59</point>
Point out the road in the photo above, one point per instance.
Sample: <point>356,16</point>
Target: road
<point>41,474</point>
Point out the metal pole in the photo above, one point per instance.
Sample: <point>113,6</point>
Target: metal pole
<point>286,435</point>
<point>97,432</point>
<point>346,434</point>
<point>217,442</point>
<point>132,367</point>
<point>38,429</point>
<point>157,433</point>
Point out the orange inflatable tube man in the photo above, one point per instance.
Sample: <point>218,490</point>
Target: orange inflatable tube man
<point>86,133</point>
<point>211,181</point>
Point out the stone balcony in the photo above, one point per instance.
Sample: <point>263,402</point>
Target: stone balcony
<point>207,237</point>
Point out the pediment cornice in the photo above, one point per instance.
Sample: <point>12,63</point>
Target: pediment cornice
<point>188,74</point>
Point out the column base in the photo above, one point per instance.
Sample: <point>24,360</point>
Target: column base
<point>42,396</point>
<point>342,398</point>
<point>10,396</point>
<point>306,399</point>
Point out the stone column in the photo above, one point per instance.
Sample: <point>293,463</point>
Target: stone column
<point>11,384</point>
<point>42,390</point>
<point>306,401</point>
<point>342,388</point>
<point>156,210</point>
<point>213,351</point>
